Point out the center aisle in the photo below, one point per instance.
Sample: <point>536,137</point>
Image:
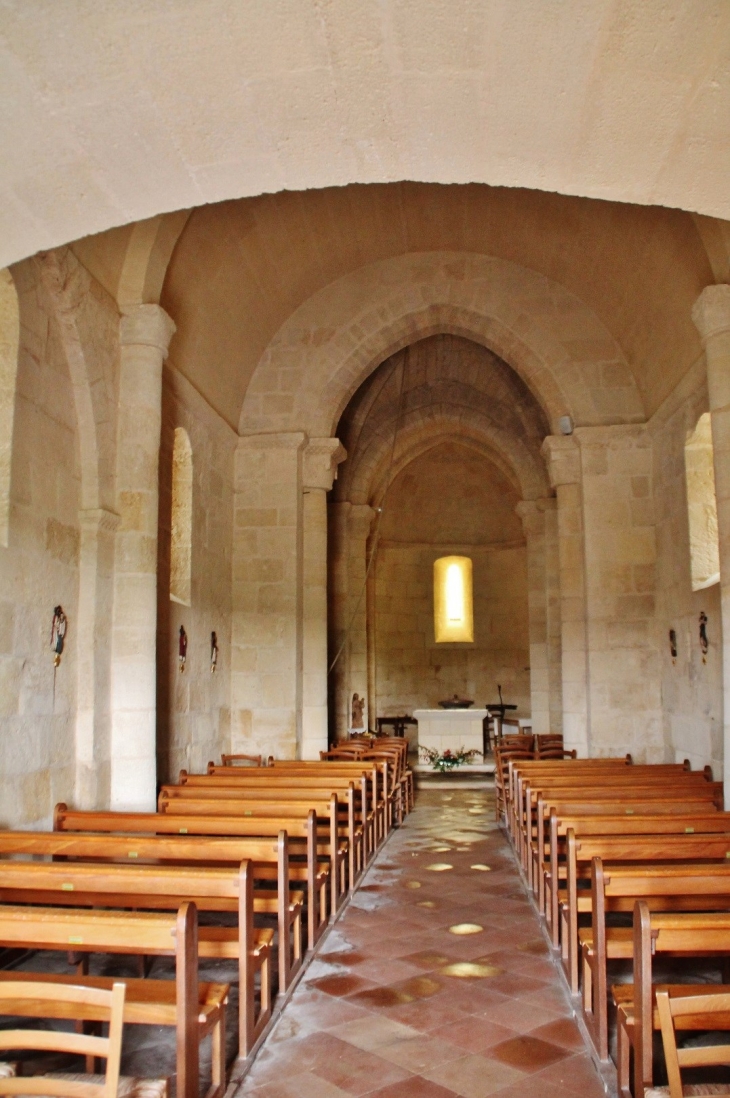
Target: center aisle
<point>436,982</point>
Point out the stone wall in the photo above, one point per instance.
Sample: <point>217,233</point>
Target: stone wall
<point>691,689</point>
<point>193,707</point>
<point>39,569</point>
<point>412,671</point>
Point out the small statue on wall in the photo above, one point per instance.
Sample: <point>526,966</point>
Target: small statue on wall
<point>213,653</point>
<point>673,644</point>
<point>182,648</point>
<point>58,633</point>
<point>704,641</point>
<point>358,706</point>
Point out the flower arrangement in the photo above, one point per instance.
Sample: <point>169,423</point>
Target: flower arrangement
<point>449,760</point>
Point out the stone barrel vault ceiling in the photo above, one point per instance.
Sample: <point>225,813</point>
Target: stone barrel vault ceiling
<point>241,269</point>
<point>119,110</point>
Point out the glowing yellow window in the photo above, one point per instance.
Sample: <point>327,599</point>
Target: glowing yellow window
<point>453,605</point>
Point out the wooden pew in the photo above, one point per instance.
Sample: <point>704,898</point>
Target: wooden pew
<point>269,861</point>
<point>161,1002</point>
<point>693,887</point>
<point>333,847</point>
<point>642,785</point>
<point>301,831</point>
<point>548,855</point>
<point>532,766</point>
<point>678,934</point>
<point>528,784</point>
<point>620,848</point>
<point>365,779</point>
<point>163,888</point>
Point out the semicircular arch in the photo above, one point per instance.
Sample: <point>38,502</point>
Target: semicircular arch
<point>334,340</point>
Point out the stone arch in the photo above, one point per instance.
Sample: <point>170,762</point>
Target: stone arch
<point>333,341</point>
<point>89,325</point>
<point>9,346</point>
<point>523,469</point>
<point>148,254</point>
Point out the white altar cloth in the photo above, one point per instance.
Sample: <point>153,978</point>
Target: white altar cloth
<point>451,728</point>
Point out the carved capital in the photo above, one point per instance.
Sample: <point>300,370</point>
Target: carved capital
<point>321,458</point>
<point>532,514</point>
<point>97,520</point>
<point>147,326</point>
<point>562,456</point>
<point>711,312</point>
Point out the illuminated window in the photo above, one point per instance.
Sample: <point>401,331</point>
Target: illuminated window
<point>182,517</point>
<point>453,607</point>
<point>704,546</point>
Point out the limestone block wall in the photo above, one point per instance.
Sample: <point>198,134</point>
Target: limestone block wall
<point>193,708</point>
<point>412,671</point>
<point>38,570</point>
<point>691,689</point>
<point>624,695</point>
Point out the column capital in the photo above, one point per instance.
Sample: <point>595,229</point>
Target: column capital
<point>146,325</point>
<point>711,312</point>
<point>532,513</point>
<point>321,458</point>
<point>562,455</point>
<point>277,440</point>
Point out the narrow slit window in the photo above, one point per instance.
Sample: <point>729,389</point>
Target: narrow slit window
<point>453,602</point>
<point>704,546</point>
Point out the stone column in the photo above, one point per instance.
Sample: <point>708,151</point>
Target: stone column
<point>266,668</point>
<point>350,530</point>
<point>321,458</point>
<point>532,514</point>
<point>145,334</point>
<point>624,674</point>
<point>563,459</point>
<point>93,660</point>
<point>711,315</point>
<point>359,522</point>
<point>554,626</point>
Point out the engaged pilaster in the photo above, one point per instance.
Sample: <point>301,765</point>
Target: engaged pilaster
<point>145,334</point>
<point>534,515</point>
<point>321,458</point>
<point>266,669</point>
<point>711,314</point>
<point>564,468</point>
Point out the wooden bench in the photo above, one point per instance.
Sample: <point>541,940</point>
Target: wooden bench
<point>194,1011</point>
<point>528,788</point>
<point>335,846</point>
<point>656,787</point>
<point>164,888</point>
<point>365,781</point>
<point>548,857</point>
<point>301,833</point>
<point>619,848</point>
<point>678,934</point>
<point>692,887</point>
<point>269,862</point>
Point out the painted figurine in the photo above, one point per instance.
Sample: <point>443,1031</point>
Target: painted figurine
<point>182,648</point>
<point>358,705</point>
<point>58,633</point>
<point>213,653</point>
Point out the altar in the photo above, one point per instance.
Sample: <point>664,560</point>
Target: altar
<point>440,729</point>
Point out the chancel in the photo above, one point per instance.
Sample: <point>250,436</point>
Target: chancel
<point>365,547</point>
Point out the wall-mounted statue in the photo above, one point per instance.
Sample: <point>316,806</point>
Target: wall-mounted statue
<point>704,642</point>
<point>673,644</point>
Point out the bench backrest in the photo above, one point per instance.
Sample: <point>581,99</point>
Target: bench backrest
<point>298,824</point>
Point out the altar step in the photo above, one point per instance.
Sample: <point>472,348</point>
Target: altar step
<point>469,776</point>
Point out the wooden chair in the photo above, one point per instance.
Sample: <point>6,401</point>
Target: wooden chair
<point>29,997</point>
<point>241,760</point>
<point>693,1012</point>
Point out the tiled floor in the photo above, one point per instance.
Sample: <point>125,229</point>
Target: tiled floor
<point>436,982</point>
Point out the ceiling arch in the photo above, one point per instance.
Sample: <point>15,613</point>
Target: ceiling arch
<point>119,112</point>
<point>326,349</point>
